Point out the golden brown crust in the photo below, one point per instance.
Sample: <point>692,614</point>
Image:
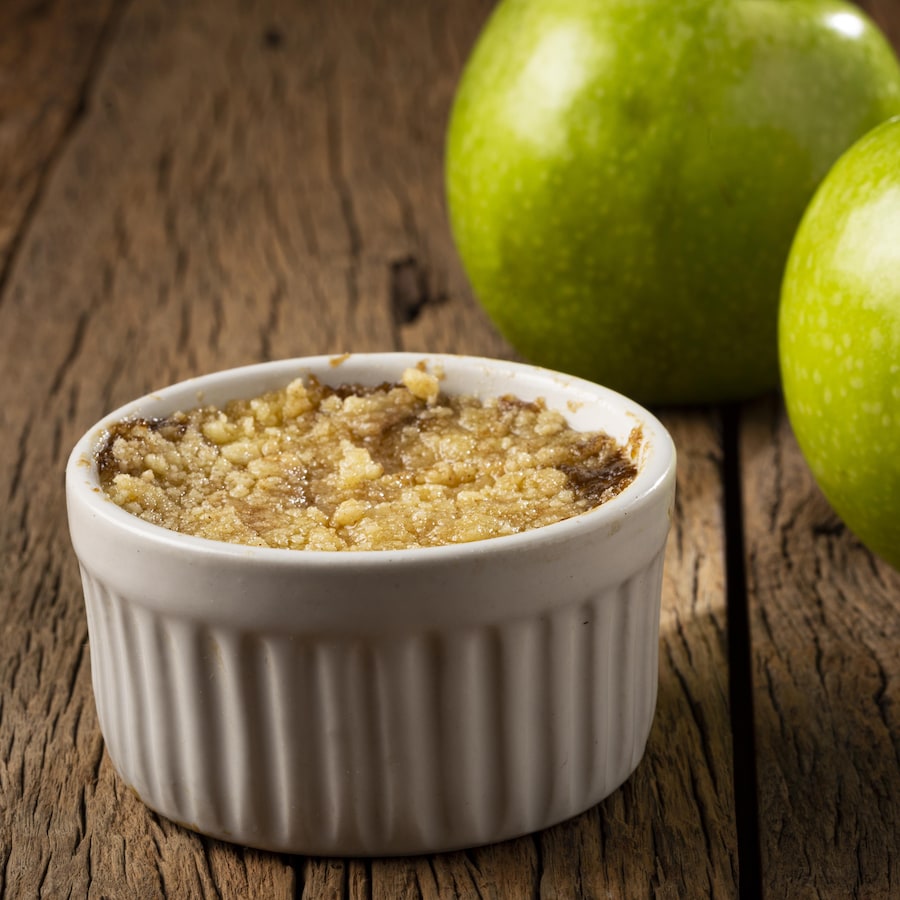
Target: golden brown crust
<point>358,467</point>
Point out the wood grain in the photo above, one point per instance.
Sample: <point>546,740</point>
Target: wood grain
<point>48,54</point>
<point>826,670</point>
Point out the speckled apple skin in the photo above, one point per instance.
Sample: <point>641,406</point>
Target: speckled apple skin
<point>624,179</point>
<point>839,339</point>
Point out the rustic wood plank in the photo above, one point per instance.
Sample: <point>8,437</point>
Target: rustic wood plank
<point>251,181</point>
<point>826,673</point>
<point>48,53</point>
<point>66,826</point>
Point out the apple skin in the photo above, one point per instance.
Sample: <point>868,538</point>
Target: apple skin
<point>839,339</point>
<point>624,178</point>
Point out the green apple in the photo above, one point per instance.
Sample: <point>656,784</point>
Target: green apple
<point>839,338</point>
<point>624,177</point>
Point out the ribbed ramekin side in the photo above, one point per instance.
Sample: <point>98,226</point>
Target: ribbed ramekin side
<point>624,672</point>
<point>581,691</point>
<point>527,722</point>
<point>150,686</point>
<point>103,669</point>
<point>272,740</point>
<point>406,742</point>
<point>116,672</point>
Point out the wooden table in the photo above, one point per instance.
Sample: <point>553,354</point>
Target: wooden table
<point>186,186</point>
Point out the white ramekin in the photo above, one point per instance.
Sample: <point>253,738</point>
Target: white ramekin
<point>378,702</point>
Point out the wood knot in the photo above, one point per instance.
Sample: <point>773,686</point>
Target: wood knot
<point>272,38</point>
<point>409,291</point>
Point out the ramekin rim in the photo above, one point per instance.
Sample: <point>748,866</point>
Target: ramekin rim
<point>652,476</point>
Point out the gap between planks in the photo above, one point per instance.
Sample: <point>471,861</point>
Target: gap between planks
<point>740,678</point>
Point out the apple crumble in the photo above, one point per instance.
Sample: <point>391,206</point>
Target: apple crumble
<point>353,467</point>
